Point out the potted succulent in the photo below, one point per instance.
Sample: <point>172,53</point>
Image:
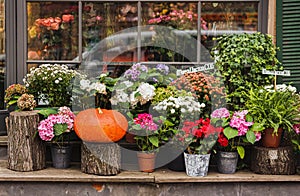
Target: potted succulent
<point>237,129</point>
<point>275,109</point>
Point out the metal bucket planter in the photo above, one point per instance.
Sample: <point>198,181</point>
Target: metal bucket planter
<point>61,156</point>
<point>227,162</point>
<point>196,164</point>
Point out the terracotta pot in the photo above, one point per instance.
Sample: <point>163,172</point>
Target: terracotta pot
<point>146,161</point>
<point>269,139</point>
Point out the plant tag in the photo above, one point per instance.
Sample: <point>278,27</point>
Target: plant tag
<point>206,67</point>
<point>278,73</point>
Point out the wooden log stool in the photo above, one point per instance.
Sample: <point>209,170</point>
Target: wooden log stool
<point>26,151</point>
<point>100,158</point>
<point>274,161</point>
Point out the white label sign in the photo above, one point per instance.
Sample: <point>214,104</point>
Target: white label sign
<point>278,73</point>
<point>205,67</point>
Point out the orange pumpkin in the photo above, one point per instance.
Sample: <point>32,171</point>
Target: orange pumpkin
<point>100,125</point>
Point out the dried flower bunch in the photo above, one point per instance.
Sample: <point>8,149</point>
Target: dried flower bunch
<point>13,92</point>
<point>26,102</point>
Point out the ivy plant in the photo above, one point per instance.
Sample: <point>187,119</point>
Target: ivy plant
<point>241,58</point>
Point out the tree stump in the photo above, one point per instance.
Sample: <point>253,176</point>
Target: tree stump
<point>26,151</point>
<point>275,161</point>
<point>100,158</point>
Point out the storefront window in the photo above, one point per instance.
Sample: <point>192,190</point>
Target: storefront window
<point>52,30</point>
<point>110,36</point>
<point>2,53</point>
<point>227,18</point>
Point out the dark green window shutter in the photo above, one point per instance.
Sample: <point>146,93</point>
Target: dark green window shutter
<point>288,38</point>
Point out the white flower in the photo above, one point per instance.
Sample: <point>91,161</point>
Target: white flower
<point>84,84</point>
<point>147,92</point>
<point>172,111</point>
<point>99,87</point>
<point>56,81</point>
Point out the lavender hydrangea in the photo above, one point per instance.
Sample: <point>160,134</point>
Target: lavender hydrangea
<point>163,68</point>
<point>135,71</point>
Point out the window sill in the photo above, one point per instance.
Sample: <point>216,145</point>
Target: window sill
<point>74,174</point>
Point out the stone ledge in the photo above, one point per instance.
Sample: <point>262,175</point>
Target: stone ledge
<point>73,174</point>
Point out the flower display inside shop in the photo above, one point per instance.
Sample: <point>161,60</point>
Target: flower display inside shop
<point>56,125</point>
<point>53,35</point>
<point>235,129</point>
<point>13,93</point>
<point>51,83</point>
<point>197,137</point>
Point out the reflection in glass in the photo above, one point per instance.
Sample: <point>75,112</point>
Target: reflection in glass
<point>105,46</point>
<point>178,38</point>
<point>52,30</point>
<point>227,17</point>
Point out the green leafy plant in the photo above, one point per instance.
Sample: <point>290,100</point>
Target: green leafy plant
<point>241,58</point>
<point>273,108</point>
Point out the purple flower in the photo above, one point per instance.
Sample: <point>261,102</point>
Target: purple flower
<point>220,113</point>
<point>134,72</point>
<point>163,68</point>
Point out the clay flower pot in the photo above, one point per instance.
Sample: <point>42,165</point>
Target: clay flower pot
<point>270,139</point>
<point>146,161</point>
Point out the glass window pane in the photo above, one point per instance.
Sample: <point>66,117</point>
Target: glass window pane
<point>2,53</point>
<point>173,27</point>
<point>226,17</point>
<point>52,30</point>
<point>109,36</point>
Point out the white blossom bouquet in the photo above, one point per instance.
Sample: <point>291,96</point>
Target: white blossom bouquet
<point>51,83</point>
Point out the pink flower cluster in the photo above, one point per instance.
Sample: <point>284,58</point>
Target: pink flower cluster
<point>220,113</point>
<point>46,127</point>
<point>238,121</point>
<point>296,128</point>
<point>145,120</point>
